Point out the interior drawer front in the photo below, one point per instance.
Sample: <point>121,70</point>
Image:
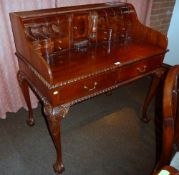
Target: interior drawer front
<point>80,26</point>
<point>137,69</point>
<point>87,86</point>
<point>61,44</point>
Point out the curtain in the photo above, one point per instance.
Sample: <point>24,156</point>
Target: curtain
<point>143,7</point>
<point>11,99</point>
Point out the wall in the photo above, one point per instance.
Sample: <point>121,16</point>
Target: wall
<point>172,57</point>
<point>161,14</point>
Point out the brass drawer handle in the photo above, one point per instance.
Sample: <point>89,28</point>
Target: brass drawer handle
<point>93,88</point>
<point>142,69</point>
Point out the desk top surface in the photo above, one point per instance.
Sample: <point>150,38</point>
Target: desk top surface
<point>72,63</point>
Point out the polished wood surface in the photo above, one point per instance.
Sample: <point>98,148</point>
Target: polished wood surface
<point>91,60</point>
<point>170,117</point>
<point>70,54</point>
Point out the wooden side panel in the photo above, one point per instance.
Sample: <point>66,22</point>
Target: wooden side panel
<point>25,49</point>
<point>142,33</point>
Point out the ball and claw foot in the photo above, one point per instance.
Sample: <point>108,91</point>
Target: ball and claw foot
<point>58,168</point>
<point>30,121</point>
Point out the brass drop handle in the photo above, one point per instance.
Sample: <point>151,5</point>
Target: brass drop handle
<point>93,88</point>
<point>142,69</point>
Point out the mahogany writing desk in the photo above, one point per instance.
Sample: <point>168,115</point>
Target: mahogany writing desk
<point>69,54</point>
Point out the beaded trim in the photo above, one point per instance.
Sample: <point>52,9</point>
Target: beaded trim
<point>85,76</point>
<point>64,108</point>
<point>107,89</point>
<point>49,86</point>
<point>36,73</point>
<point>60,110</point>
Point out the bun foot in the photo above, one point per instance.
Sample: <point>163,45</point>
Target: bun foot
<point>30,121</point>
<point>58,168</point>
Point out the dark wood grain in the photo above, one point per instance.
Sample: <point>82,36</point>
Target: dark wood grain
<point>70,54</point>
<point>170,117</point>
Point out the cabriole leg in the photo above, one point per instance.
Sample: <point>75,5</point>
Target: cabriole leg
<point>25,90</point>
<point>54,117</point>
<point>55,131</point>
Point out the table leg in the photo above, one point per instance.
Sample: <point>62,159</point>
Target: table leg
<point>54,116</point>
<point>55,131</point>
<point>25,90</point>
<point>152,91</point>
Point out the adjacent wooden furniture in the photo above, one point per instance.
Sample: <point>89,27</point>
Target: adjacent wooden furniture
<point>167,170</point>
<point>170,132</point>
<point>70,54</point>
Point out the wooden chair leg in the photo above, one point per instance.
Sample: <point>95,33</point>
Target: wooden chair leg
<point>170,116</point>
<point>176,139</point>
<point>167,143</point>
<point>152,91</point>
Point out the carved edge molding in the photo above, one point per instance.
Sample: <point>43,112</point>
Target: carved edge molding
<point>20,78</point>
<point>63,109</point>
<point>111,87</point>
<point>49,86</point>
<point>60,110</point>
<point>159,73</point>
<point>38,75</point>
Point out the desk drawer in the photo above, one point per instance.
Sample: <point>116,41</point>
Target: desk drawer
<point>137,69</point>
<point>105,80</point>
<point>87,86</point>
